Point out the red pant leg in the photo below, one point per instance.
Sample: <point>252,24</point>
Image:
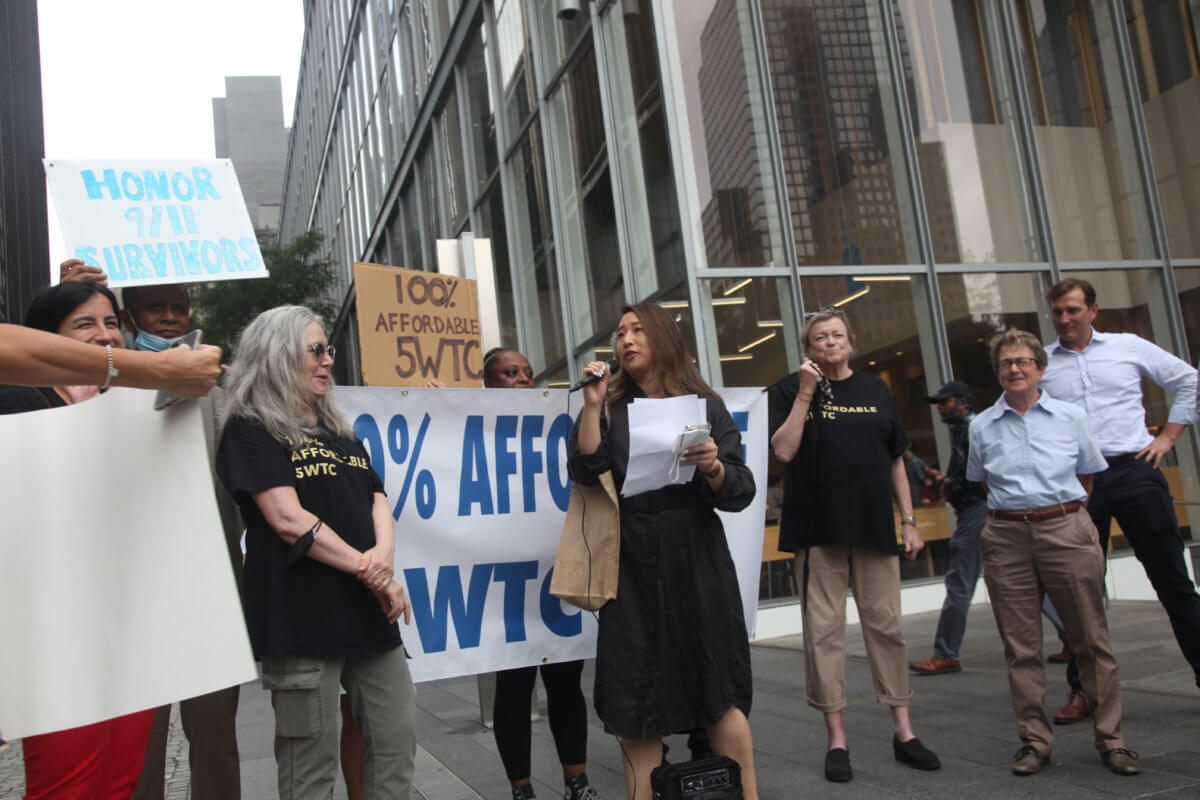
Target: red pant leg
<point>92,762</point>
<point>64,765</point>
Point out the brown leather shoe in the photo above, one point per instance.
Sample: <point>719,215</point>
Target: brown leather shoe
<point>1076,710</point>
<point>1061,657</point>
<point>1028,762</point>
<point>935,665</point>
<point>1121,761</point>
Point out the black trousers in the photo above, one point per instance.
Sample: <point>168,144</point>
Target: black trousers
<point>565,706</point>
<point>1137,496</point>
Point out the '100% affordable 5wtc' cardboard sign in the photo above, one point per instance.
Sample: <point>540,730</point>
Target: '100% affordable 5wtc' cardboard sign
<point>415,326</point>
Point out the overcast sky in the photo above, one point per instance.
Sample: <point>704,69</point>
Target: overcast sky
<point>136,78</point>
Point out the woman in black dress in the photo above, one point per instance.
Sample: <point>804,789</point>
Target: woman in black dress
<point>672,653</point>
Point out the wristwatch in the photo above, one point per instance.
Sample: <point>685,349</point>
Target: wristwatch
<point>908,521</point>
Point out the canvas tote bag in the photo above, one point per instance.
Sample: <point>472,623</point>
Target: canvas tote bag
<point>585,568</point>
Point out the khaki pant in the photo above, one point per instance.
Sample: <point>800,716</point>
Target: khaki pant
<point>304,693</point>
<point>826,575</point>
<point>1060,557</point>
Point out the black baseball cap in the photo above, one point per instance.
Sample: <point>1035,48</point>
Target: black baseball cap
<point>951,389</point>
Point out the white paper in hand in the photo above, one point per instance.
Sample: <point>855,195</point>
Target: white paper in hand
<point>654,427</point>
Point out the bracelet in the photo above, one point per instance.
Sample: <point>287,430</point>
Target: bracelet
<point>909,521</point>
<point>112,371</point>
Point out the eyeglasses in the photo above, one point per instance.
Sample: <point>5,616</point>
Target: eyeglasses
<point>321,350</point>
<point>1020,363</point>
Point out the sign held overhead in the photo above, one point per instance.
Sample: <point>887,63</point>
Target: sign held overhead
<point>416,326</point>
<point>151,222</point>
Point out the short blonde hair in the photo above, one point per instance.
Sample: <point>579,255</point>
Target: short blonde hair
<point>825,315</point>
<point>1016,338</point>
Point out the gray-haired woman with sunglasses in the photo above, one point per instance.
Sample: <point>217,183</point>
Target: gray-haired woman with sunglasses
<point>321,605</point>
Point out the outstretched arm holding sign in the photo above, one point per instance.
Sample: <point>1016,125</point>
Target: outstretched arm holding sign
<point>36,358</point>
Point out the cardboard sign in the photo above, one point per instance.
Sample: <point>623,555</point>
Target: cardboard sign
<point>415,326</point>
<point>152,222</point>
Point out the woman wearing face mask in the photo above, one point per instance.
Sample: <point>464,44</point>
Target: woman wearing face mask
<point>672,653</point>
<point>102,759</point>
<point>839,435</point>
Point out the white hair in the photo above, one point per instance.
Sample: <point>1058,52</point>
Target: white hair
<point>266,379</point>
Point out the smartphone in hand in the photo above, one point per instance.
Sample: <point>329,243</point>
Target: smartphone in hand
<point>165,399</point>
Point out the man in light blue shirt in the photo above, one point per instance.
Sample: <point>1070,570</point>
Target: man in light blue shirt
<point>1037,456</point>
<point>1102,374</point>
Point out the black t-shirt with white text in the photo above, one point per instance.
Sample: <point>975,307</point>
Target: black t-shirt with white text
<point>309,608</point>
<point>837,490</point>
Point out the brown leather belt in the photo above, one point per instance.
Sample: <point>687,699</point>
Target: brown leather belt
<point>1036,514</point>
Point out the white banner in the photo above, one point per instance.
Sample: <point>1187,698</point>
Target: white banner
<point>115,585</point>
<point>478,484</point>
<point>149,222</point>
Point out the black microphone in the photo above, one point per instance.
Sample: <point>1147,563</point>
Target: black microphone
<point>613,366</point>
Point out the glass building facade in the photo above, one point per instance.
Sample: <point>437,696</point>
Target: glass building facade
<point>928,166</point>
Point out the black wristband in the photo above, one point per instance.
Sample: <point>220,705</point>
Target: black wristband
<point>300,548</point>
<point>303,544</point>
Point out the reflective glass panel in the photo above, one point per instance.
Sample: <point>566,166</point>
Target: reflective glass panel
<point>1163,35</point>
<point>1083,131</point>
<point>725,142</point>
<point>492,226</point>
<point>967,143</point>
<point>534,249</point>
<point>847,179</point>
<point>979,305</point>
<point>482,119</point>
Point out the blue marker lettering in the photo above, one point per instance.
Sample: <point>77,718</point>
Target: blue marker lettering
<point>187,192</point>
<point>211,255</point>
<point>94,188</point>
<point>157,185</point>
<point>131,184</point>
<point>204,187</point>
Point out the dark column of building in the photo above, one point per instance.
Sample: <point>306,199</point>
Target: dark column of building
<point>24,238</point>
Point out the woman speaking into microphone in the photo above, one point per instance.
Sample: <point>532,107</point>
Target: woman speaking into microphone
<point>672,653</point>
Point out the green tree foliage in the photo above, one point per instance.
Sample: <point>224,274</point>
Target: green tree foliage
<point>297,275</point>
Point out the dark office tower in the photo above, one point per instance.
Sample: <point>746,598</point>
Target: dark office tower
<point>24,244</point>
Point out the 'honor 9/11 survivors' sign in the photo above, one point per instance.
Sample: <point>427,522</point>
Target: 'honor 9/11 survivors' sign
<point>148,222</point>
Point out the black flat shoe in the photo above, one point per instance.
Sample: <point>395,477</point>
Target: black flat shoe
<point>837,765</point>
<point>915,754</point>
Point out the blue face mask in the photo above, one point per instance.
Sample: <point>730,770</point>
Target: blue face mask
<point>150,341</point>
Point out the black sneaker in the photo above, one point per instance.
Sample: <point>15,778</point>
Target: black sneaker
<point>523,791</point>
<point>578,788</point>
<point>915,754</point>
<point>837,765</point>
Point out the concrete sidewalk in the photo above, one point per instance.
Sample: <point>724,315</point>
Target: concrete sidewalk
<point>965,718</point>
